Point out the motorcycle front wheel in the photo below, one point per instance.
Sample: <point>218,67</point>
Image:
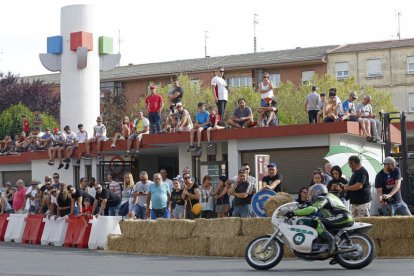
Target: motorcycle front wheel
<point>264,258</point>
<point>360,258</point>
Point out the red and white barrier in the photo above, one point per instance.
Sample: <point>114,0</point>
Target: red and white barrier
<point>54,231</point>
<point>101,228</point>
<point>15,228</point>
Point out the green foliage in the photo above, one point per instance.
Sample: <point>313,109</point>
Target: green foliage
<point>290,97</point>
<point>11,118</point>
<point>113,107</point>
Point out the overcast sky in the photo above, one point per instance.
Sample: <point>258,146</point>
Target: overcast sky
<point>153,31</point>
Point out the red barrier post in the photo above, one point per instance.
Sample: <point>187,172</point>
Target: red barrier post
<point>3,225</point>
<point>79,230</point>
<point>34,229</point>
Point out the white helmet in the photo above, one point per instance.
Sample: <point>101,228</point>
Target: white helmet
<point>315,191</point>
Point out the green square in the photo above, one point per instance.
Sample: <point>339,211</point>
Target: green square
<point>105,45</point>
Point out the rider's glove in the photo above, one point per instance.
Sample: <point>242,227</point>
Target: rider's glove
<point>290,214</point>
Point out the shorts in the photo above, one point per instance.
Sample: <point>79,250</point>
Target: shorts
<point>222,208</point>
<point>263,103</point>
<point>133,136</point>
<point>178,212</point>
<point>361,210</point>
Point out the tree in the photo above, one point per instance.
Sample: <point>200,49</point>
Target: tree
<point>112,106</point>
<point>36,95</point>
<point>290,97</point>
<point>10,120</point>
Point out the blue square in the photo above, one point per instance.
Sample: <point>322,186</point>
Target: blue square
<point>54,44</point>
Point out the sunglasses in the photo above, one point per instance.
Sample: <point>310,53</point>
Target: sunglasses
<point>187,177</point>
<point>265,77</point>
<point>56,177</point>
<point>246,169</point>
<point>98,189</point>
<point>221,71</point>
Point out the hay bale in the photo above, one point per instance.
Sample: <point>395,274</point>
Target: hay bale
<point>160,246</point>
<point>387,227</point>
<point>396,248</point>
<point>276,201</point>
<point>255,227</point>
<point>174,228</point>
<point>138,228</point>
<point>213,228</point>
<point>229,247</point>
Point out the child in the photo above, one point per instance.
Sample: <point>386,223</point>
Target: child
<point>214,124</point>
<point>87,207</point>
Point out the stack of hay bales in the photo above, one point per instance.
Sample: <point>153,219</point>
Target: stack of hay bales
<point>276,201</point>
<point>394,236</point>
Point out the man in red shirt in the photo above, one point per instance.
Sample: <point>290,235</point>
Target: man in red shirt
<point>19,197</point>
<point>154,105</point>
<point>25,125</point>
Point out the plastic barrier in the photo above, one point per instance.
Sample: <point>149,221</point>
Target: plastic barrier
<point>101,228</point>
<point>33,229</point>
<point>54,231</point>
<point>3,225</point>
<point>15,227</point>
<point>78,231</point>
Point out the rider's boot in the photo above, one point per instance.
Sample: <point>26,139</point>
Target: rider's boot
<point>330,239</point>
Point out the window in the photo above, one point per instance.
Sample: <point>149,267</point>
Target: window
<point>307,77</point>
<point>239,81</point>
<point>275,79</point>
<point>411,102</point>
<point>410,65</point>
<point>374,68</point>
<point>342,70</point>
<point>114,88</point>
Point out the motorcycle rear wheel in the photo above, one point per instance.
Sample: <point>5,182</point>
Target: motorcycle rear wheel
<point>264,259</point>
<point>362,257</point>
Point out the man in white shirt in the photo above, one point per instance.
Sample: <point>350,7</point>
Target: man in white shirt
<point>140,195</point>
<point>220,92</point>
<point>81,137</point>
<point>32,198</point>
<point>99,136</point>
<point>367,120</point>
<point>69,143</point>
<point>166,180</point>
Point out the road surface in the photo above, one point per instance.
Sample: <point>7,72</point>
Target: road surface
<point>18,259</point>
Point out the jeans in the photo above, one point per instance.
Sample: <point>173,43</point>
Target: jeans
<point>312,114</point>
<point>160,213</point>
<point>140,212</point>
<point>399,208</point>
<point>113,211</point>
<point>155,122</point>
<point>221,106</point>
<point>241,211</point>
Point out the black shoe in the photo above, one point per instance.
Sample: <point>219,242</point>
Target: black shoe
<point>60,166</point>
<point>67,160</point>
<point>67,166</point>
<point>50,163</point>
<point>100,156</point>
<point>209,145</point>
<point>330,240</point>
<point>198,151</point>
<point>334,261</point>
<point>191,148</point>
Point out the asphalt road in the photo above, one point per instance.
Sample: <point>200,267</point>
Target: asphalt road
<point>17,259</point>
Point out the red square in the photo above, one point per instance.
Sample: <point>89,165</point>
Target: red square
<point>81,39</point>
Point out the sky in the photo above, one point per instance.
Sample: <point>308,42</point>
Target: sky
<point>166,30</point>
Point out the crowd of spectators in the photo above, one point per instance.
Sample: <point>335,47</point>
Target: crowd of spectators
<point>181,197</point>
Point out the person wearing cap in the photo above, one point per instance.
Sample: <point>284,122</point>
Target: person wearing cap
<point>273,180</point>
<point>332,109</point>
<point>202,123</point>
<point>175,95</point>
<point>106,202</point>
<point>9,194</point>
<point>141,127</point>
<point>311,105</point>
<point>32,198</point>
<point>242,116</point>
<point>58,140</point>
<point>349,108</point>
<point>220,91</point>
<point>67,147</point>
<point>358,188</point>
<point>154,104</point>
<point>367,120</point>
<point>99,136</point>
<point>388,185</point>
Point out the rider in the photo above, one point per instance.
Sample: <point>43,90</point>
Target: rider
<point>329,212</point>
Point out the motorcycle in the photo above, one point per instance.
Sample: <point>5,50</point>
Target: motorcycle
<point>355,249</point>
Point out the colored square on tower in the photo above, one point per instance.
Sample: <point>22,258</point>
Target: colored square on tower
<point>105,45</point>
<point>54,44</point>
<point>81,39</point>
